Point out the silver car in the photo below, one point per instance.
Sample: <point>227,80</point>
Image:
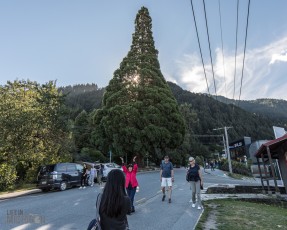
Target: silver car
<point>108,167</point>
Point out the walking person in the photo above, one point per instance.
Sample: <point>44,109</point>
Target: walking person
<point>115,204</point>
<point>131,180</point>
<point>93,174</point>
<point>195,179</point>
<point>84,177</point>
<point>166,177</point>
<point>100,174</point>
<point>212,166</point>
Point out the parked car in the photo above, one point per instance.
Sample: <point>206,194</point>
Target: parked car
<point>59,176</point>
<point>108,167</point>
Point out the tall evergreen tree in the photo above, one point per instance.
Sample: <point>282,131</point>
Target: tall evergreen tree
<point>139,114</point>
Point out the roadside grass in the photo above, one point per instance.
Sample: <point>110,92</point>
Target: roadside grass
<point>242,215</point>
<point>236,176</point>
<point>19,187</point>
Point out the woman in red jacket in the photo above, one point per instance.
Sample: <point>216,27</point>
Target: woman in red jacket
<point>131,180</point>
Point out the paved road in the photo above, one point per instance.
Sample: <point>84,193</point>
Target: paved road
<point>74,208</point>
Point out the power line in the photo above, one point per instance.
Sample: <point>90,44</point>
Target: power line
<point>222,48</point>
<point>209,48</point>
<point>199,47</point>
<point>244,50</point>
<point>235,49</point>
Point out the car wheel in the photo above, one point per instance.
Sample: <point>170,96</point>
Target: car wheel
<point>63,185</point>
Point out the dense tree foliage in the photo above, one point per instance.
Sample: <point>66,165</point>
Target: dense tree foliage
<point>33,129</point>
<point>139,114</point>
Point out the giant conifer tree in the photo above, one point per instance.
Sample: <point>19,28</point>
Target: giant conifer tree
<point>139,113</point>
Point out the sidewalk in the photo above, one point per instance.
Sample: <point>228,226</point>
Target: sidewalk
<point>20,193</point>
<point>218,172</point>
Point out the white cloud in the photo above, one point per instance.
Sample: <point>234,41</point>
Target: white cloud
<point>261,77</point>
<point>279,57</point>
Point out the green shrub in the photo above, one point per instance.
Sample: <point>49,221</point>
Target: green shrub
<point>237,167</point>
<point>199,160</point>
<point>8,176</point>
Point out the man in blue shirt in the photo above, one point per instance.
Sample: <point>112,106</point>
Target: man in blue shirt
<point>166,177</point>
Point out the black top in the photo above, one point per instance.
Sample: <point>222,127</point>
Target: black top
<point>193,173</point>
<point>84,172</point>
<point>117,223</point>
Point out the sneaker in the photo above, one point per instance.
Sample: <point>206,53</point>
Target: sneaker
<point>80,187</point>
<point>193,205</point>
<point>169,200</point>
<point>133,209</point>
<point>163,198</point>
<point>199,208</point>
<point>84,187</point>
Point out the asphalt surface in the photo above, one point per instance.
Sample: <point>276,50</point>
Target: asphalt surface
<point>74,208</point>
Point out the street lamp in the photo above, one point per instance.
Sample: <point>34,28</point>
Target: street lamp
<point>147,160</point>
<point>227,146</point>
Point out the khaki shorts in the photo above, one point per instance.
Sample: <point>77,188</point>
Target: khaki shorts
<point>166,182</point>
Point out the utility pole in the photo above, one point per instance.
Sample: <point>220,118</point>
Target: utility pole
<point>227,146</point>
<point>224,144</point>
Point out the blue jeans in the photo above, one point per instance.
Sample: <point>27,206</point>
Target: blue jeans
<point>131,193</point>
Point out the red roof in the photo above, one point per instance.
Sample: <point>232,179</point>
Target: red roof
<point>273,146</point>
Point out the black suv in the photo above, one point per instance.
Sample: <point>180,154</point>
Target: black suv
<point>59,176</point>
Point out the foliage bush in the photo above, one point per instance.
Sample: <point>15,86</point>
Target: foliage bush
<point>237,167</point>
<point>199,160</point>
<point>8,176</point>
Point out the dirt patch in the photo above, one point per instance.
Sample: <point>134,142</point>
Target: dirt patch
<point>210,222</point>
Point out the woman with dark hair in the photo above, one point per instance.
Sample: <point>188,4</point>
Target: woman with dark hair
<point>131,180</point>
<point>115,204</point>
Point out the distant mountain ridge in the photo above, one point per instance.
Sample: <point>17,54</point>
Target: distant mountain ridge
<point>272,108</point>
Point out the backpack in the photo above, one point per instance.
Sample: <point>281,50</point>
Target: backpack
<point>191,176</point>
<point>95,224</point>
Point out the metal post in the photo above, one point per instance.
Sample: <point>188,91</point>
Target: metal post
<point>227,148</point>
<point>261,176</point>
<point>272,169</point>
<point>277,165</point>
<point>110,156</point>
<point>265,171</point>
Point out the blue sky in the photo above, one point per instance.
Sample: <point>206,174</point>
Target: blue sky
<point>79,42</point>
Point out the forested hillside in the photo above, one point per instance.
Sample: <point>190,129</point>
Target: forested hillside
<point>214,114</point>
<point>82,97</point>
<point>209,112</point>
<point>272,108</point>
